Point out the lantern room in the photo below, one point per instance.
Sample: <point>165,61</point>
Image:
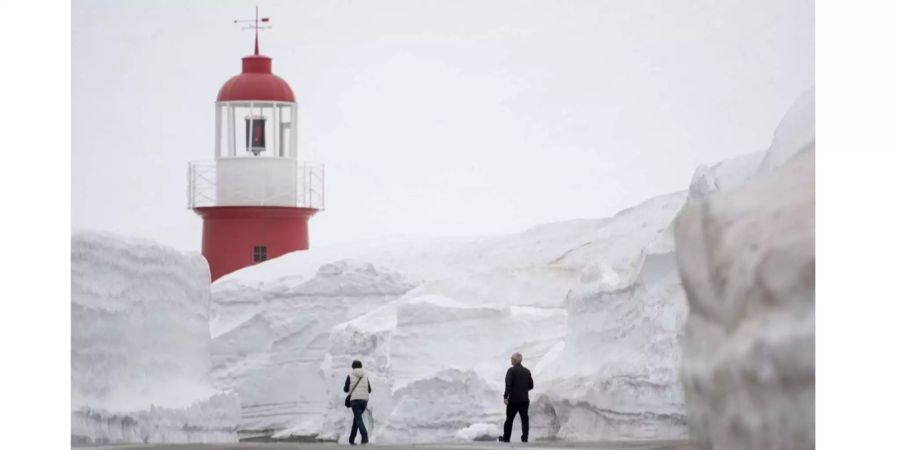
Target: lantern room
<point>256,114</point>
<point>256,129</point>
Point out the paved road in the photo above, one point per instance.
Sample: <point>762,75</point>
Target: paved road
<point>549,445</point>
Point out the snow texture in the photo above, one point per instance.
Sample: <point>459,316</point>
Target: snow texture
<point>747,259</point>
<point>724,176</point>
<point>140,346</point>
<point>795,134</point>
<point>588,302</point>
<point>269,340</point>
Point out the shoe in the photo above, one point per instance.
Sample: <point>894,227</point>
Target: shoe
<point>352,443</point>
<point>500,439</point>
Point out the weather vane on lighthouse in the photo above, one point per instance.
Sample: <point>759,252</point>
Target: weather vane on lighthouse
<point>253,24</point>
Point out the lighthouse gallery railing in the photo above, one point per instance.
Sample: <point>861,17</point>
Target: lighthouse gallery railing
<point>307,192</point>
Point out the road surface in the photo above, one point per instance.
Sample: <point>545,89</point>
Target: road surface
<point>546,445</point>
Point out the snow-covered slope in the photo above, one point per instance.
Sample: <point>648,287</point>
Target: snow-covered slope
<point>140,345</point>
<point>747,258</point>
<point>437,332</point>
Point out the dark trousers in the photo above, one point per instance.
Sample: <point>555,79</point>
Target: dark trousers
<point>358,407</point>
<point>513,408</point>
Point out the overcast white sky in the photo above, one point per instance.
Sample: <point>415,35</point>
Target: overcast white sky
<point>434,117</point>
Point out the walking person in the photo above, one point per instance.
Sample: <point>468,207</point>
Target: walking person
<point>518,383</point>
<point>357,387</point>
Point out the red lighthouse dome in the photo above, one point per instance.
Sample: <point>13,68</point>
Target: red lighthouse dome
<point>256,82</point>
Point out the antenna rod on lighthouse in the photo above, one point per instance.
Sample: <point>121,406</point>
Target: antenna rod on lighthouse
<point>256,38</point>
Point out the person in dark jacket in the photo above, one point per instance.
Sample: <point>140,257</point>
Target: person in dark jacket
<point>518,383</point>
<point>358,386</point>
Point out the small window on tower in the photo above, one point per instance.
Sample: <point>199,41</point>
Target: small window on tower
<point>259,253</point>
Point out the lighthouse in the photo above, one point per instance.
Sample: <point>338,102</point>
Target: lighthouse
<point>256,196</point>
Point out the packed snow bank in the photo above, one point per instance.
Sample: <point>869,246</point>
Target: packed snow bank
<point>269,339</point>
<point>747,260</point>
<point>140,346</point>
<point>438,363</point>
<point>436,323</point>
<point>617,375</point>
<point>210,420</point>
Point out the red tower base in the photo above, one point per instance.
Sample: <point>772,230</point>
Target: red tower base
<point>235,237</point>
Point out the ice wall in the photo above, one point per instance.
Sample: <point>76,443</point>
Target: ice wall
<point>140,345</point>
<point>747,259</point>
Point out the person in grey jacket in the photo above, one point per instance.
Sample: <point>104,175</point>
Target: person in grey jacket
<point>358,386</point>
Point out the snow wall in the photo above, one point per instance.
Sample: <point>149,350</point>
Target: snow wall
<point>595,306</point>
<point>141,346</point>
<point>746,251</point>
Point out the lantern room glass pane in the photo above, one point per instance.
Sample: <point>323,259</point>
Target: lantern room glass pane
<point>284,131</point>
<point>223,145</point>
<point>255,130</point>
<point>254,134</point>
